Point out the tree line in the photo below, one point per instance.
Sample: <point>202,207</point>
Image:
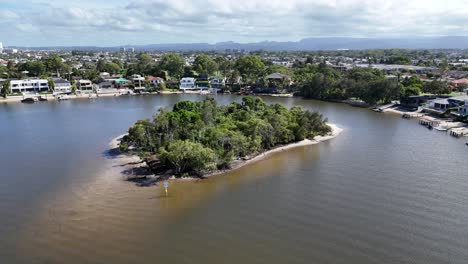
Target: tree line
<point>311,79</point>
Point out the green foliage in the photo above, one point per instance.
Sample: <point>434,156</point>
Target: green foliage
<point>199,136</point>
<point>35,68</point>
<point>250,67</point>
<point>5,88</point>
<point>187,157</point>
<point>204,64</point>
<point>399,59</point>
<point>173,64</point>
<point>367,84</point>
<point>110,67</point>
<point>436,87</point>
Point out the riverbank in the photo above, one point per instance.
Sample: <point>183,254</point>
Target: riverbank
<point>135,169</point>
<point>51,97</point>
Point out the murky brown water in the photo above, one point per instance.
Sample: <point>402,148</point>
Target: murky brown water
<point>384,191</point>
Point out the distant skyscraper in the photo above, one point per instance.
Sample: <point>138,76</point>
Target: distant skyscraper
<point>123,50</point>
<point>1,47</point>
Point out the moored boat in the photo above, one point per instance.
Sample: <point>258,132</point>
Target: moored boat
<point>29,100</point>
<point>62,97</point>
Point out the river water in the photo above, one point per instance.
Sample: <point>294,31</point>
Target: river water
<point>385,191</point>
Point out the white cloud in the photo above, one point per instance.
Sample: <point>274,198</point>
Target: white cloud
<point>156,21</point>
<point>6,15</point>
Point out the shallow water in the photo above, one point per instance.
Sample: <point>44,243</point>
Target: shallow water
<point>385,191</point>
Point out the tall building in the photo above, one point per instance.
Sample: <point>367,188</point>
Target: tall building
<point>1,47</point>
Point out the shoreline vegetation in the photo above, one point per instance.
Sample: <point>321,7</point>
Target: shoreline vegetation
<point>136,169</point>
<point>201,139</point>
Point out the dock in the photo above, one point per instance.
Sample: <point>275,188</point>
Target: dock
<point>429,121</point>
<point>459,132</point>
<point>412,115</point>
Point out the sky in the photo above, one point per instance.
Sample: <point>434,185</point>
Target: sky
<point>119,22</point>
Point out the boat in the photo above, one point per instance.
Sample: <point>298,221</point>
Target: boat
<point>29,100</point>
<point>42,99</point>
<point>62,97</point>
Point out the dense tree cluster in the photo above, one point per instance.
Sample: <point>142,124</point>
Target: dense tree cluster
<point>367,84</point>
<point>196,137</point>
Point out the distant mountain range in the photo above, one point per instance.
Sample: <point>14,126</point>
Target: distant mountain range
<point>309,44</point>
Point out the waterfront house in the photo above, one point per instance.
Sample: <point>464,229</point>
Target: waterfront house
<point>61,86</point>
<point>438,106</point>
<point>218,83</point>
<point>104,85</point>
<point>278,78</point>
<point>155,80</point>
<point>458,100</point>
<point>84,86</point>
<point>414,102</point>
<point>29,86</point>
<point>138,81</point>
<point>187,83</point>
<point>463,109</point>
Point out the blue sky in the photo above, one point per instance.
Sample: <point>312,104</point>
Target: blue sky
<point>120,22</point>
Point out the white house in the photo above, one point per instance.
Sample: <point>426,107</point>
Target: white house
<point>61,86</point>
<point>29,86</point>
<point>84,85</point>
<point>187,83</point>
<point>138,81</point>
<point>218,83</point>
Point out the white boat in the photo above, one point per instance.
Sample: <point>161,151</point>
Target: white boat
<point>62,97</point>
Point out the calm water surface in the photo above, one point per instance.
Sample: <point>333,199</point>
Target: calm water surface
<point>385,191</point>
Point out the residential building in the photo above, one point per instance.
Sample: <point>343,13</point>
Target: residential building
<point>29,86</point>
<point>459,83</point>
<point>105,85</point>
<point>138,81</point>
<point>155,80</point>
<point>437,106</point>
<point>218,83</point>
<point>187,83</point>
<point>84,85</point>
<point>463,110</point>
<point>62,86</point>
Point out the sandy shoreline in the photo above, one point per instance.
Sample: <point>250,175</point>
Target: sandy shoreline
<point>51,97</point>
<point>133,162</point>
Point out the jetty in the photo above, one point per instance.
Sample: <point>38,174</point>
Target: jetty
<point>412,115</point>
<point>459,132</point>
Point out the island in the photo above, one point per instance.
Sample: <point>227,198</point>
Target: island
<point>200,139</point>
